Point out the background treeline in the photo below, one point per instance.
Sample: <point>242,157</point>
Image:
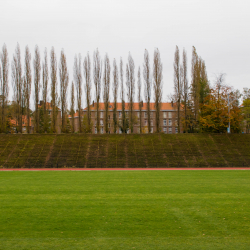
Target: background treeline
<point>200,106</point>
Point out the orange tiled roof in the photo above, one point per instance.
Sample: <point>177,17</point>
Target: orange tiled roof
<point>75,115</point>
<point>164,106</point>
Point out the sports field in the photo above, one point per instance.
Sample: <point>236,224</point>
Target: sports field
<point>125,210</point>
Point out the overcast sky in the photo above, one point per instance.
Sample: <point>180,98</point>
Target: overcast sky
<point>219,29</point>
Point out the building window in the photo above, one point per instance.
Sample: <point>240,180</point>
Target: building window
<point>109,117</point>
<point>165,130</point>
<point>151,122</point>
<point>176,130</point>
<point>169,122</point>
<point>170,130</point>
<point>164,114</point>
<point>101,114</point>
<point>109,125</point>
<point>152,114</point>
<point>151,130</point>
<point>138,114</point>
<point>176,122</point>
<point>145,122</point>
<point>169,114</point>
<point>128,131</point>
<point>120,130</point>
<point>95,130</point>
<point>120,114</point>
<point>164,122</point>
<point>145,115</point>
<point>126,113</point>
<point>101,122</point>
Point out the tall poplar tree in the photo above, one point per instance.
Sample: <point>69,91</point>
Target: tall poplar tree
<point>195,84</point>
<point>64,81</point>
<point>157,82</point>
<point>199,85</point>
<point>4,87</point>
<point>72,107</point>
<point>115,94</point>
<point>97,74</point>
<point>87,76</point>
<point>27,84</point>
<point>184,81</point>
<point>45,71</point>
<point>54,95</point>
<point>78,85</point>
<point>130,82</point>
<point>139,97</point>
<point>147,85</point>
<point>106,87</point>
<point>123,125</point>
<point>17,83</point>
<point>178,88</point>
<point>37,76</point>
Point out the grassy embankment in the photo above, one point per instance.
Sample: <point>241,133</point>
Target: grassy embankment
<point>110,151</point>
<point>125,210</point>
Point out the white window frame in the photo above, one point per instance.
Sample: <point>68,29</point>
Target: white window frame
<point>120,114</point>
<point>176,130</point>
<point>170,130</point>
<point>169,122</point>
<point>165,122</point>
<point>165,130</point>
<point>145,115</point>
<point>169,114</point>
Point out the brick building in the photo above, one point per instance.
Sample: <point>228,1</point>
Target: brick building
<point>168,118</point>
<point>14,125</point>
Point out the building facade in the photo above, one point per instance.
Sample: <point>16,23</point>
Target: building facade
<point>168,118</point>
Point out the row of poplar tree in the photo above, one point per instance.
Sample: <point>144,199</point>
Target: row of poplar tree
<point>187,99</point>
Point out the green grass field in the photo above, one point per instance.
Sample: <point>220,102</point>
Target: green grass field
<point>120,151</point>
<point>125,210</point>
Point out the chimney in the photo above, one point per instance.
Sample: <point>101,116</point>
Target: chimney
<point>172,104</point>
<point>93,103</point>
